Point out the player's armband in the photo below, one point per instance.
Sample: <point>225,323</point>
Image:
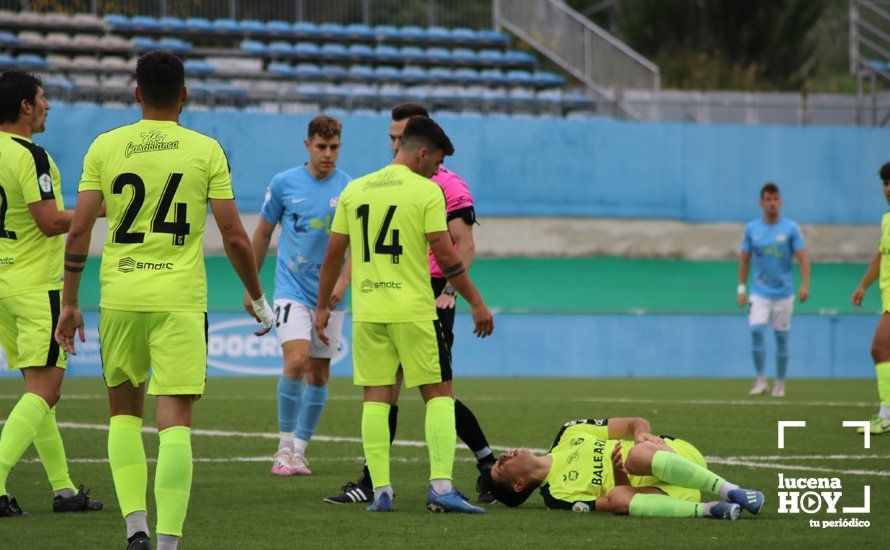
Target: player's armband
<point>557,504</point>
<point>598,422</point>
<point>468,215</point>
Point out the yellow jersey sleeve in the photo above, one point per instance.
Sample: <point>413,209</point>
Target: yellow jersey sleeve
<point>90,179</point>
<point>220,182</point>
<point>434,216</point>
<point>341,222</point>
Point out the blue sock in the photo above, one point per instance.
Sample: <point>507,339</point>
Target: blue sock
<point>782,353</point>
<point>310,410</point>
<point>758,349</point>
<point>289,394</point>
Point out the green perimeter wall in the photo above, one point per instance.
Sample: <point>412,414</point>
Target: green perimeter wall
<point>582,285</point>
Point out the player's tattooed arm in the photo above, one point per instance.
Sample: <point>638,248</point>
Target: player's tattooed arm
<point>635,428</point>
<point>75,262</point>
<point>455,270</point>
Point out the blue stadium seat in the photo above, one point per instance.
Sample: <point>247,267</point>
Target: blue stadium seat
<point>32,61</point>
<point>282,69</point>
<point>463,35</point>
<point>361,52</point>
<point>281,48</point>
<point>362,73</point>
<point>516,57</point>
<point>576,99</point>
<point>57,81</point>
<point>464,55</point>
<point>388,74</point>
<point>491,57</point>
<point>279,28</point>
<point>254,47</point>
<point>305,29</point>
<point>172,24</point>
<point>493,77</point>
<point>117,20</point>
<point>391,93</point>
<point>544,78</point>
<point>307,50</point>
<point>521,97</point>
<point>335,52</point>
<point>518,77</point>
<point>174,45</point>
<point>384,53</point>
<point>7,61</point>
<point>252,26</point>
<point>412,54</point>
<point>199,24</point>
<point>438,55</point>
<point>144,23</point>
<point>334,31</point>
<point>198,66</point>
<point>226,25</point>
<point>334,73</point>
<point>359,31</point>
<point>310,91</point>
<point>144,43</point>
<point>444,95</point>
<point>386,32</point>
<point>308,71</point>
<point>362,92</point>
<point>336,92</point>
<point>439,35</point>
<point>8,39</point>
<point>415,75</point>
<point>490,36</point>
<point>412,33</point>
<point>468,76</point>
<point>442,75</point>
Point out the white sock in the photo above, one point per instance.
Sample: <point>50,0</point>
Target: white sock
<point>706,508</point>
<point>299,446</point>
<point>168,542</point>
<point>136,522</point>
<point>380,490</point>
<point>482,453</point>
<point>726,488</point>
<point>441,486</point>
<point>884,412</point>
<point>285,441</point>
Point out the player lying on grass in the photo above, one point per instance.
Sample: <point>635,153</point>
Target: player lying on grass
<point>617,465</point>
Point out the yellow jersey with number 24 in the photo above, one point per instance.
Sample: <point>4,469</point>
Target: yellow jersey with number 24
<point>156,178</point>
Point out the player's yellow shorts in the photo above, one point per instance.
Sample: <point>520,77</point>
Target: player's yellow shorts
<point>686,450</point>
<point>885,301</point>
<point>172,345</point>
<point>27,324</point>
<point>378,349</point>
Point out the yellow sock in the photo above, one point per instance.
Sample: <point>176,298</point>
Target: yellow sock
<point>173,479</point>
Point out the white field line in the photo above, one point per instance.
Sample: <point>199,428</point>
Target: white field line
<point>751,461</point>
<point>264,458</point>
<point>717,402</point>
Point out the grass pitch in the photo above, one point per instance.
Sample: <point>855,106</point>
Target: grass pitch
<point>236,503</point>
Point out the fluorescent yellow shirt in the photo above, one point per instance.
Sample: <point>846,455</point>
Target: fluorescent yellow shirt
<point>884,249</point>
<point>156,178</point>
<point>387,215</point>
<point>29,260</point>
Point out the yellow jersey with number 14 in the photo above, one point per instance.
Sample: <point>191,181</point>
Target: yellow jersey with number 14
<point>156,178</point>
<point>387,215</point>
<point>29,260</point>
<point>884,250</point>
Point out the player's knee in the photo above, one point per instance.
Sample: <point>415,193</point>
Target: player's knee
<point>51,395</point>
<point>296,365</point>
<point>318,375</point>
<point>880,352</point>
<point>619,500</point>
<point>639,459</point>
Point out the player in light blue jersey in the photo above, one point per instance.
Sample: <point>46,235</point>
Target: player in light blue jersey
<point>770,244</point>
<point>303,200</point>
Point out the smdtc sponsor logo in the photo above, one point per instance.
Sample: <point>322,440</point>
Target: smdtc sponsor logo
<point>128,265</point>
<point>370,286</point>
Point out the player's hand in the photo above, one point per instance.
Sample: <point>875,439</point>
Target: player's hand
<point>445,301</point>
<point>70,320</point>
<point>651,438</point>
<point>619,472</point>
<point>248,306</point>
<point>742,299</point>
<point>858,296</point>
<point>803,293</point>
<point>338,293</point>
<point>483,320</point>
<point>321,323</point>
<point>263,313</point>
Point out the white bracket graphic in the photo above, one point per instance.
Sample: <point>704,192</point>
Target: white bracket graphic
<point>788,424</point>
<point>866,444</point>
<point>866,509</point>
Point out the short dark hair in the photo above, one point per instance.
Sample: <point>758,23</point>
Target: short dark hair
<point>324,126</point>
<point>408,110</point>
<point>885,172</point>
<point>769,187</point>
<point>160,76</point>
<point>15,87</point>
<point>424,131</point>
<point>504,493</point>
